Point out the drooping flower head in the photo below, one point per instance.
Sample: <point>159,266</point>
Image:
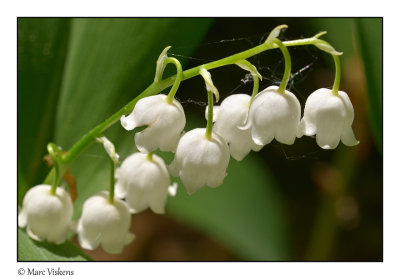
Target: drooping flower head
<point>329,117</point>
<point>46,216</point>
<point>200,161</point>
<point>273,115</point>
<point>143,180</point>
<point>231,114</point>
<point>165,122</point>
<point>104,223</point>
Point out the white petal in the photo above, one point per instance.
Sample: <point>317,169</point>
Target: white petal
<point>145,112</point>
<point>327,141</point>
<point>128,122</point>
<point>146,182</point>
<point>104,224</point>
<point>201,160</point>
<point>329,117</point>
<point>33,235</point>
<point>313,104</point>
<point>216,178</point>
<point>233,114</point>
<point>137,201</point>
<point>348,107</point>
<point>215,113</point>
<point>262,137</point>
<point>173,189</point>
<point>88,243</point>
<point>328,132</point>
<point>273,114</point>
<point>120,191</point>
<point>240,148</point>
<point>191,179</point>
<point>302,129</point>
<point>22,219</point>
<point>164,122</point>
<point>46,216</point>
<point>348,137</point>
<point>256,147</point>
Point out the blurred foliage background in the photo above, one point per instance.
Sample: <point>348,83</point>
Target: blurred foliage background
<point>284,203</point>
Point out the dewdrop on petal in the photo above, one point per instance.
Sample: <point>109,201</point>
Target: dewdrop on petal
<point>144,181</point>
<point>273,115</point>
<point>200,161</point>
<point>165,122</point>
<point>231,114</point>
<point>329,117</point>
<point>46,216</point>
<point>104,223</point>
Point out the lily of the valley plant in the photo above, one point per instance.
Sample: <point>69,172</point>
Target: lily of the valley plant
<point>240,124</point>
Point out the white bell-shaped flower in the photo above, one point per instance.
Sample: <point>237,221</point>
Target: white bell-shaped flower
<point>273,115</point>
<point>144,182</point>
<point>104,223</point>
<point>231,114</point>
<point>164,122</point>
<point>46,216</point>
<point>200,161</point>
<point>329,117</point>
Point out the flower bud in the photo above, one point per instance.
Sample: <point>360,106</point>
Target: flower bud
<point>104,223</point>
<point>164,122</point>
<point>46,216</point>
<point>231,114</point>
<point>200,161</point>
<point>329,117</point>
<point>144,182</point>
<point>274,115</point>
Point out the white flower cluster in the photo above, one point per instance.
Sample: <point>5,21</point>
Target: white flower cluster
<point>143,180</point>
<point>240,125</point>
<point>249,126</point>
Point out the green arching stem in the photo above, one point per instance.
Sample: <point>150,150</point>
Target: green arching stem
<point>156,88</point>
<point>178,78</point>
<point>112,181</point>
<point>210,115</point>
<point>52,149</point>
<point>338,72</point>
<point>288,65</point>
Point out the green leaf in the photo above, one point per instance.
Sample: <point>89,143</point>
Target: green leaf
<point>369,37</point>
<point>42,45</point>
<point>245,213</point>
<point>31,250</point>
